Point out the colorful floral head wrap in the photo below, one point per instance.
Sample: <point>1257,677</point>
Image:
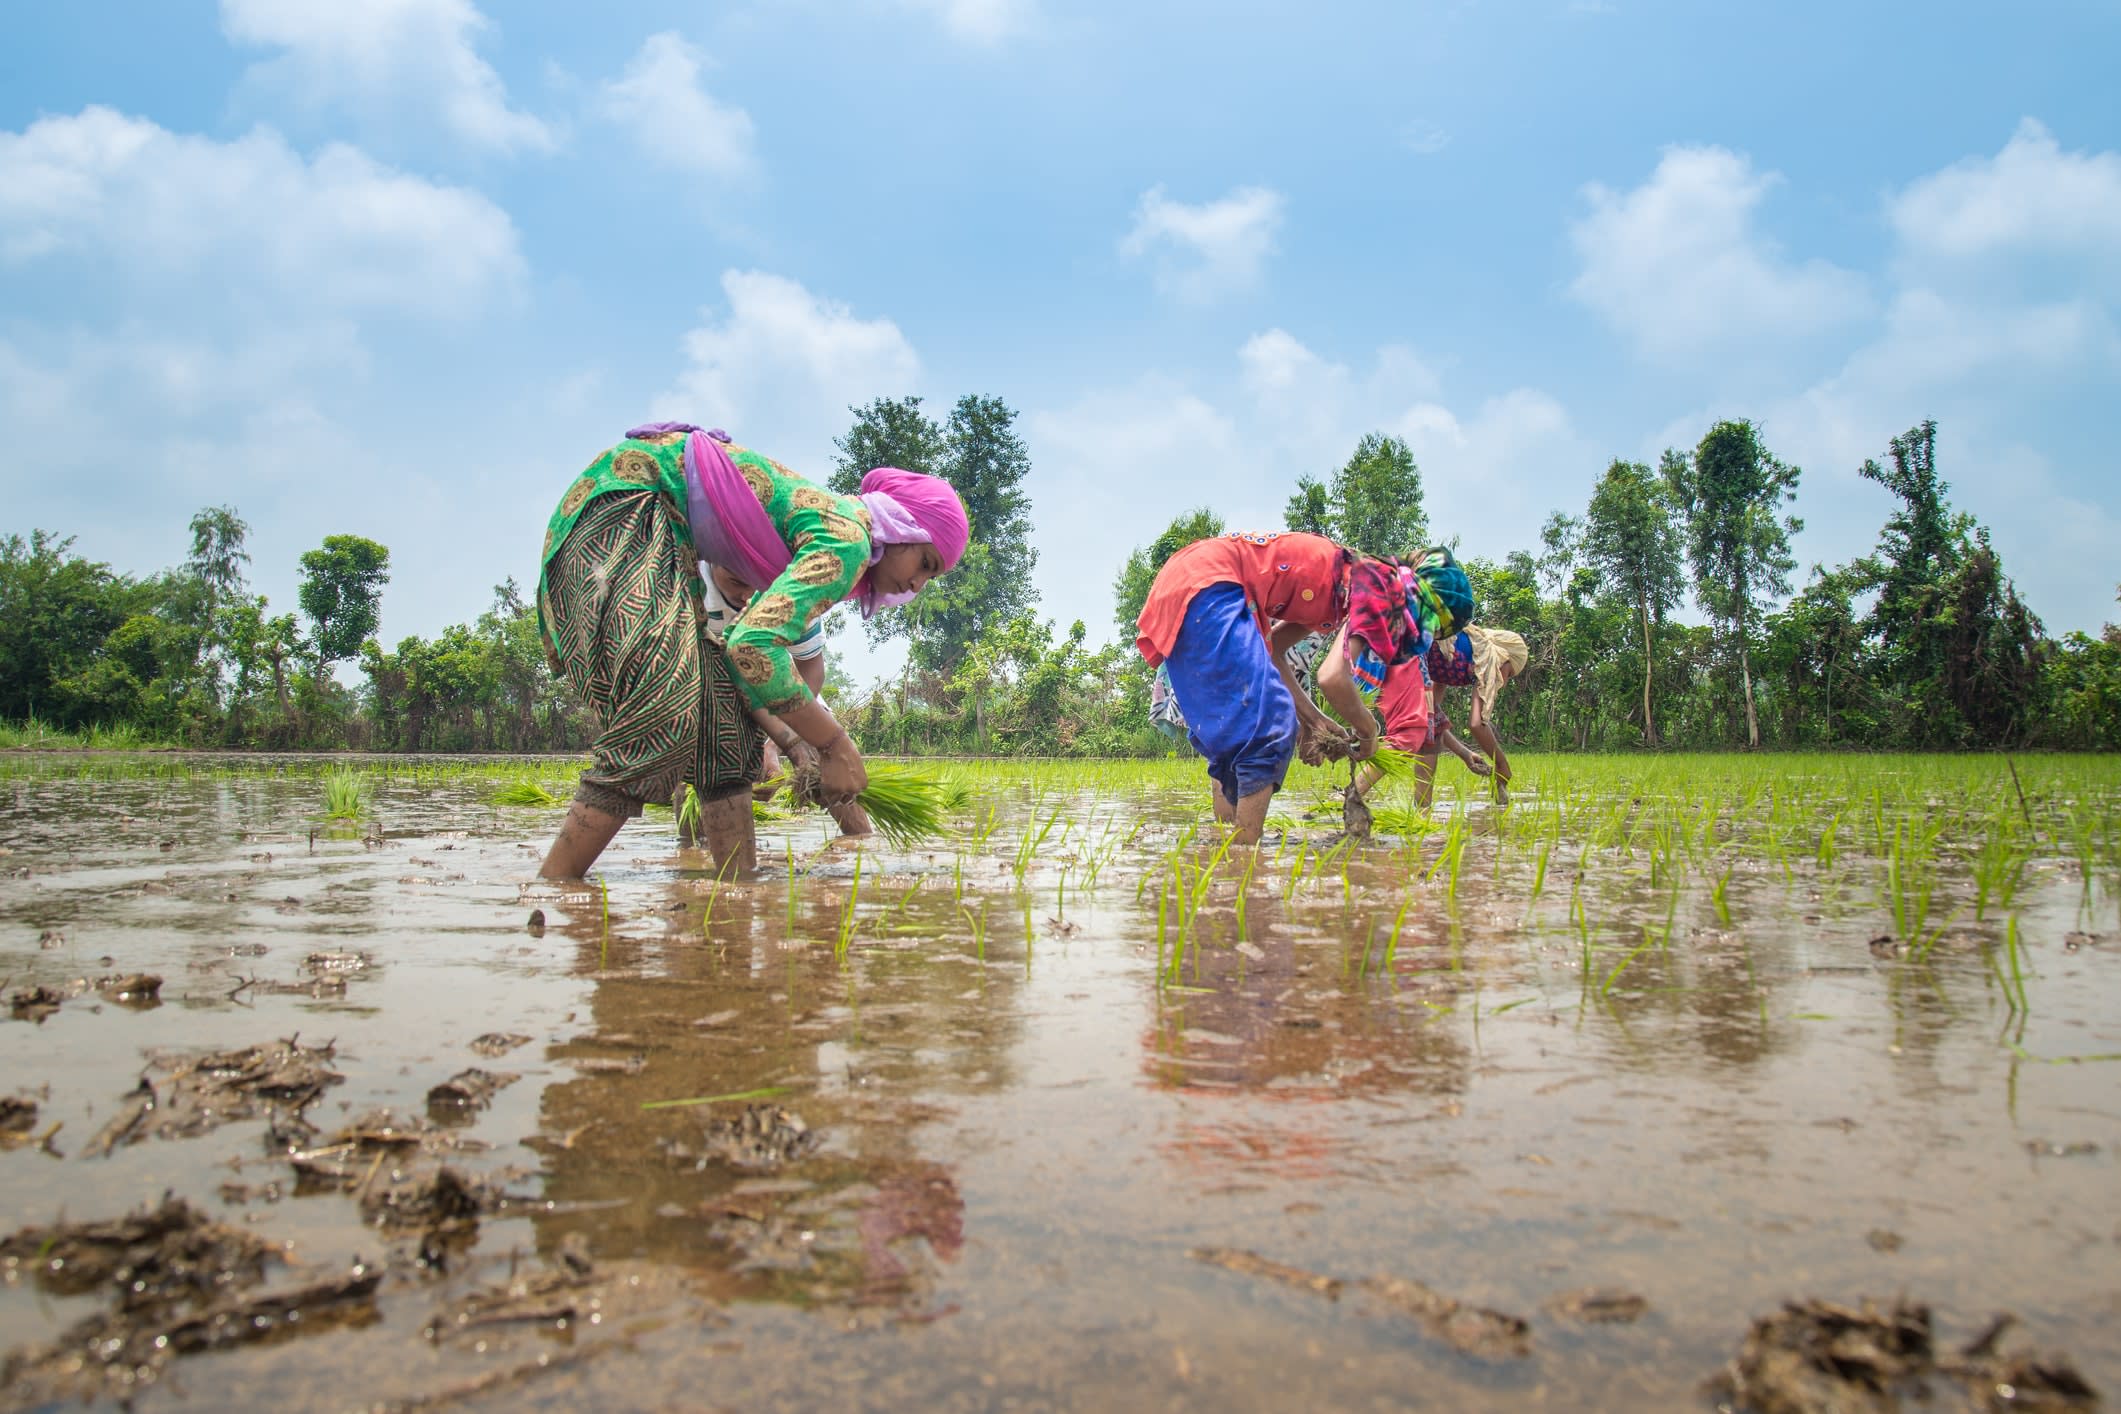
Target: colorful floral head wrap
<point>1389,621</point>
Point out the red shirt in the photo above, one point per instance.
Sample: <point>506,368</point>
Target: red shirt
<point>1293,575</point>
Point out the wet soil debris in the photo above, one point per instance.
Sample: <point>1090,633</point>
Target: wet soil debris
<point>34,1003</point>
<point>177,1283</point>
<point>1251,1264</point>
<point>1816,1355</point>
<point>458,1099</point>
<point>18,1120</point>
<point>762,1137</point>
<point>1470,1330</point>
<point>497,1043</point>
<point>183,1096</point>
<point>1599,1305</point>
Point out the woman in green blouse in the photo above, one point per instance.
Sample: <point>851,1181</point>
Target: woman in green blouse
<point>619,608</point>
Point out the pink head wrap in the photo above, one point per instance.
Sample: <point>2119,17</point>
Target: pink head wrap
<point>932,504</point>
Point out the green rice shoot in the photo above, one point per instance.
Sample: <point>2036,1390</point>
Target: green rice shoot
<point>527,791</point>
<point>345,795</point>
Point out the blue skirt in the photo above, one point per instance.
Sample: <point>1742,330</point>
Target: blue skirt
<point>1238,711</point>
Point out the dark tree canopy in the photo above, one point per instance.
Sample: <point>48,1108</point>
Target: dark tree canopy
<point>342,593</point>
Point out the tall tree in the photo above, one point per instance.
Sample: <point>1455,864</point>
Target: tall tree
<point>980,454</point>
<point>1732,493</point>
<point>218,554</point>
<point>1130,590</point>
<point>1629,536</point>
<point>1373,503</point>
<point>342,592</point>
<point>1311,508</point>
<point>987,462</point>
<point>888,432</point>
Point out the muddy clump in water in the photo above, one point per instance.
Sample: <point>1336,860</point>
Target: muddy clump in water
<point>34,1003</point>
<point>185,1096</point>
<point>178,1283</point>
<point>497,1043</point>
<point>559,1297</point>
<point>1817,1355</point>
<point>459,1099</point>
<point>1470,1330</point>
<point>18,1120</point>
<point>1599,1306</point>
<point>762,1137</point>
<point>1354,815</point>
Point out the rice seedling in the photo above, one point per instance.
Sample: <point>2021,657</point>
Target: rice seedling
<point>846,930</point>
<point>689,815</point>
<point>526,791</point>
<point>345,795</point>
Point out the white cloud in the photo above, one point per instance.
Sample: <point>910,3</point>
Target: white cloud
<point>168,210</point>
<point>784,365</point>
<point>2032,197</point>
<point>1204,252</point>
<point>385,60</point>
<point>1304,400</point>
<point>1113,468</point>
<point>981,22</point>
<point>1424,138</point>
<point>660,101</point>
<point>1677,265</point>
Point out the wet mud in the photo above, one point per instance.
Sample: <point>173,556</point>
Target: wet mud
<point>1070,1108</point>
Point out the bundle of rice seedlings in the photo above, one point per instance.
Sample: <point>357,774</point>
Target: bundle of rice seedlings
<point>905,803</point>
<point>1396,764</point>
<point>527,791</point>
<point>1391,820</point>
<point>345,795</point>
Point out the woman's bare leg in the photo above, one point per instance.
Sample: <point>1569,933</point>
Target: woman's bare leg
<point>730,832</point>
<point>1225,811</point>
<point>1251,816</point>
<point>583,835</point>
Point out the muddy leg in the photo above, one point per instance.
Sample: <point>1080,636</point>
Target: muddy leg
<point>583,835</point>
<point>731,836</point>
<point>1225,812</point>
<point>1251,816</point>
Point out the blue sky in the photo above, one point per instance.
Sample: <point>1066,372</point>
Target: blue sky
<point>400,268</point>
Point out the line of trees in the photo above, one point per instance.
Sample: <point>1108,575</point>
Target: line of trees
<point>1922,643</point>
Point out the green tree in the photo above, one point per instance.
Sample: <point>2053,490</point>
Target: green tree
<point>1373,504</point>
<point>218,554</point>
<point>987,462</point>
<point>888,432</point>
<point>1630,538</point>
<point>1731,494</point>
<point>1311,508</point>
<point>1130,590</point>
<point>980,454</point>
<point>56,609</point>
<point>342,592</point>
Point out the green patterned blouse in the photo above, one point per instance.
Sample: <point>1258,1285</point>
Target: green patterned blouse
<point>829,535</point>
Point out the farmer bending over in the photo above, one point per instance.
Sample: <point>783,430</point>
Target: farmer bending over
<point>1206,622</point>
<point>619,607</point>
<point>1482,659</point>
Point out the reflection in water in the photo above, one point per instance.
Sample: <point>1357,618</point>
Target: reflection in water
<point>855,1059</point>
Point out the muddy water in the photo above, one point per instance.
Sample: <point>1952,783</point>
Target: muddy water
<point>997,1148</point>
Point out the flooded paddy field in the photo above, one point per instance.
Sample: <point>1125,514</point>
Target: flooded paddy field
<point>1794,1073</point>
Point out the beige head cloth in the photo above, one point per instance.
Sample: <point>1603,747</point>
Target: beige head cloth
<point>1492,649</point>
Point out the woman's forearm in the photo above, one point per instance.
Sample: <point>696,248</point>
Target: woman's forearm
<point>814,723</point>
<point>1492,744</point>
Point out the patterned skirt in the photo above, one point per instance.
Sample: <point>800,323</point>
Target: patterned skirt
<point>621,601</point>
